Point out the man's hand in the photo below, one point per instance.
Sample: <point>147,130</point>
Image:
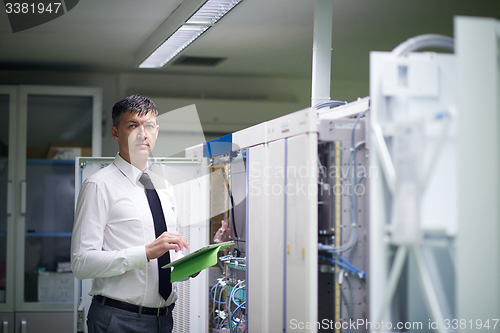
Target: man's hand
<point>166,241</point>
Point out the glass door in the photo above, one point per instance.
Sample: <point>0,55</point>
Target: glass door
<point>8,99</point>
<point>55,126</point>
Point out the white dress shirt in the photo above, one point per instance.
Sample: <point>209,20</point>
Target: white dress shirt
<point>113,224</point>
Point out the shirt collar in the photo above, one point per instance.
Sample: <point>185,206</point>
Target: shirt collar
<point>130,171</point>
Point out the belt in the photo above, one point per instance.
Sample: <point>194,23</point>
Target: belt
<point>132,307</point>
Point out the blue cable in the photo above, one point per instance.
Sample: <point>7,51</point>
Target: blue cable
<point>348,263</point>
<point>211,291</point>
<point>239,306</point>
<point>229,257</point>
<point>349,266</point>
<point>233,293</point>
<point>232,314</point>
<point>215,324</point>
<point>216,318</point>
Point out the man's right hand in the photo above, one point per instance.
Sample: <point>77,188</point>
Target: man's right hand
<point>167,241</point>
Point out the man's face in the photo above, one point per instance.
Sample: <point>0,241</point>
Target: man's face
<point>136,135</point>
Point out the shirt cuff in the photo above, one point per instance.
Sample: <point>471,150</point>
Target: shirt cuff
<point>136,256</point>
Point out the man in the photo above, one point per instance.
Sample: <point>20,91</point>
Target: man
<point>117,221</point>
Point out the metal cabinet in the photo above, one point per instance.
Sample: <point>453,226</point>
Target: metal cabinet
<point>37,202</point>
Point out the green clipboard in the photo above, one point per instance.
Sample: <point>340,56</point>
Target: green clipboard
<point>196,261</point>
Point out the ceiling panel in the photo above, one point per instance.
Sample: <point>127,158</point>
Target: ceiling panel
<point>271,38</point>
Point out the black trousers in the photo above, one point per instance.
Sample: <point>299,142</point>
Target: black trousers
<point>104,318</point>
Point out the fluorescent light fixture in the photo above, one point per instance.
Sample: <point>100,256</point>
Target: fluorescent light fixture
<point>205,17</point>
<point>212,11</point>
<point>177,42</point>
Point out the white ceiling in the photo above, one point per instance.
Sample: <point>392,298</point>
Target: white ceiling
<point>271,38</point>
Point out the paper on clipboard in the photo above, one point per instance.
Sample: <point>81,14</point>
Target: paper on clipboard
<point>196,261</point>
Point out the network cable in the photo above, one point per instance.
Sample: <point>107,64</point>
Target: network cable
<point>219,314</point>
<point>354,199</point>
<point>211,296</point>
<point>354,269</point>
<point>350,305</point>
<point>346,265</point>
<point>330,104</point>
<point>230,257</point>
<point>231,299</point>
<point>237,308</point>
<point>232,212</point>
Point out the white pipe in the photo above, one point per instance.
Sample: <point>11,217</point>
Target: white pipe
<point>424,41</point>
<point>322,52</point>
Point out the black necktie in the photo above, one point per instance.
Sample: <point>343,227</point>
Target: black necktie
<point>165,286</point>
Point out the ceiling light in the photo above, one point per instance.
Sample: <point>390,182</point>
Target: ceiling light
<point>177,42</point>
<point>212,11</point>
<point>205,17</point>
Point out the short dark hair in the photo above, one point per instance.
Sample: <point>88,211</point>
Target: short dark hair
<point>135,104</point>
